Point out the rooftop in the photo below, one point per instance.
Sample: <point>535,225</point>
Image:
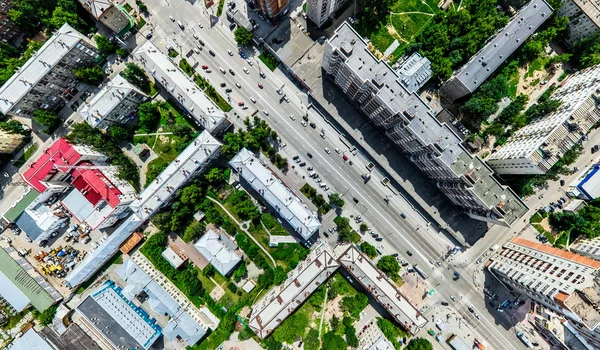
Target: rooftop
<point>192,158</point>
<point>382,289</point>
<point>281,301</point>
<point>498,49</point>
<point>220,250</point>
<point>96,7</point>
<point>180,86</point>
<point>111,95</point>
<point>276,193</point>
<point>53,50</point>
<point>31,340</point>
<point>117,319</point>
<point>37,220</point>
<point>173,258</point>
<point>588,184</point>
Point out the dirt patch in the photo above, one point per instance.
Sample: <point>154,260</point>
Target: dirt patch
<point>333,308</point>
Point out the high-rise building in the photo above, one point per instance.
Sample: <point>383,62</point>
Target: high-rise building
<point>584,18</point>
<point>272,8</point>
<point>43,81</point>
<point>112,15</point>
<point>471,75</point>
<point>319,11</point>
<point>8,29</point>
<point>9,141</point>
<point>535,148</point>
<point>115,103</point>
<point>388,98</point>
<point>564,282</point>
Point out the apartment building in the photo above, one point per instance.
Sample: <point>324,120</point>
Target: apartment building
<point>273,9</point>
<point>112,15</point>
<point>319,11</point>
<point>564,282</point>
<point>8,30</point>
<point>44,80</point>
<point>584,18</point>
<point>470,76</point>
<point>535,148</point>
<point>116,103</point>
<point>9,142</point>
<point>388,98</point>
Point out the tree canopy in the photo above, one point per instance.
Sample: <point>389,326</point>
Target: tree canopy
<point>45,118</point>
<point>105,47</point>
<point>332,341</point>
<point>354,304</point>
<point>136,75</point>
<point>336,199</point>
<point>419,344</point>
<point>242,36</point>
<point>90,75</point>
<point>368,249</point>
<point>389,265</point>
<point>291,328</point>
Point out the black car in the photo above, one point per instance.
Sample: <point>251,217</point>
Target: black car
<point>212,53</point>
<point>223,84</point>
<point>395,255</point>
<point>202,43</point>
<point>379,239</point>
<point>231,71</point>
<point>471,310</point>
<point>409,253</point>
<point>313,125</point>
<point>232,26</point>
<point>309,154</point>
<point>562,182</point>
<point>228,90</point>
<point>149,36</point>
<point>325,234</point>
<point>355,200</point>
<point>444,303</point>
<point>302,164</point>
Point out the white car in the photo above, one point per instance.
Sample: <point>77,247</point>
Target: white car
<point>200,25</point>
<point>337,150</point>
<point>246,70</point>
<point>279,91</point>
<point>197,51</point>
<point>238,85</point>
<point>230,53</point>
<point>252,99</point>
<point>327,150</point>
<point>222,70</point>
<point>249,62</point>
<point>208,70</point>
<point>265,112</point>
<point>180,25</point>
<point>283,145</point>
<point>172,19</point>
<point>292,117</point>
<point>195,36</point>
<point>28,239</point>
<point>304,123</point>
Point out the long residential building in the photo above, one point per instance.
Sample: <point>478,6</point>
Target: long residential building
<point>535,148</point>
<point>388,99</point>
<point>281,301</point>
<point>44,80</point>
<point>275,193</point>
<point>584,18</point>
<point>193,160</point>
<point>564,282</point>
<point>183,89</point>
<point>485,62</point>
<point>319,11</point>
<point>115,103</point>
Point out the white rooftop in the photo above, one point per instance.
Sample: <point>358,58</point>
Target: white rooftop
<point>272,189</point>
<point>281,301</point>
<point>180,86</point>
<point>382,289</point>
<point>53,50</point>
<point>96,7</point>
<point>172,257</point>
<point>111,95</point>
<point>31,340</point>
<point>220,250</point>
<point>193,157</point>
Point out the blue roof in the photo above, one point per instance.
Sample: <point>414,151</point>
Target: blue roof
<point>27,224</point>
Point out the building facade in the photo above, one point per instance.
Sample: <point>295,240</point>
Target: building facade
<point>535,148</point>
<point>584,18</point>
<point>471,75</point>
<point>273,9</point>
<point>564,282</point>
<point>8,30</point>
<point>9,142</point>
<point>388,99</point>
<point>113,16</point>
<point>47,77</point>
<point>319,11</point>
<point>114,104</point>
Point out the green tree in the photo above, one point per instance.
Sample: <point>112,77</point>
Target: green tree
<point>354,304</point>
<point>389,265</point>
<point>419,344</point>
<point>390,330</point>
<point>121,52</point>
<point>193,231</point>
<point>279,275</point>
<point>350,332</point>
<point>311,341</point>
<point>119,132</point>
<point>332,341</point>
<point>46,316</point>
<point>192,195</point>
<point>336,199</point>
<point>90,75</point>
<point>45,118</point>
<point>14,127</point>
<point>293,327</point>
<point>363,227</point>
<point>335,323</point>
<point>240,272</point>
<point>135,75</point>
<point>188,282</point>
<point>214,176</point>
<point>105,47</point>
<point>368,249</point>
<point>65,12</point>
<point>149,117</point>
<point>242,36</point>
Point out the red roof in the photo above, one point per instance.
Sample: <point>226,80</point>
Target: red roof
<point>60,153</point>
<point>94,185</point>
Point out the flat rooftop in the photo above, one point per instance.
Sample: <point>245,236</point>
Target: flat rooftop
<point>497,50</point>
<point>31,340</point>
<point>180,86</point>
<point>276,193</point>
<point>382,289</point>
<point>40,64</point>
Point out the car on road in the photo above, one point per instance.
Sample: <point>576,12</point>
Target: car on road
<point>279,91</point>
<point>479,261</point>
<point>229,52</point>
<point>477,316</point>
<point>471,309</point>
<point>292,117</point>
<point>313,125</point>
<point>241,103</point>
<point>327,150</point>
<point>249,61</point>
<point>172,19</point>
<point>252,99</point>
<point>197,50</point>
<point>309,154</point>
<point>180,25</point>
<point>262,75</point>
<point>286,99</point>
<point>149,36</point>
<point>243,55</point>
<point>204,66</point>
<point>238,85</point>
<point>452,298</point>
<point>223,84</point>
<point>260,85</point>
<point>246,70</point>
<point>337,150</point>
<point>232,26</point>
<point>355,200</point>
<point>208,71</point>
<point>228,90</point>
<point>265,112</point>
<point>202,43</point>
<point>302,164</point>
<point>231,71</point>
<point>29,240</point>
<point>379,239</point>
<point>303,123</point>
<point>282,145</point>
<point>595,148</point>
<point>409,253</point>
<point>195,36</point>
<point>445,303</point>
<point>211,52</point>
<point>200,25</point>
<point>222,70</point>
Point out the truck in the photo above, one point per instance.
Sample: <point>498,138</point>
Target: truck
<point>420,271</point>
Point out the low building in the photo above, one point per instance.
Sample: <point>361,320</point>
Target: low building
<point>187,323</point>
<point>115,103</point>
<point>131,242</point>
<point>485,62</point>
<point>183,89</point>
<point>219,249</point>
<point>31,340</point>
<point>381,288</point>
<point>109,13</point>
<point>536,147</point>
<point>10,142</point>
<point>584,18</point>
<point>111,316</point>
<point>193,160</point>
<point>22,285</point>
<point>281,301</point>
<point>289,207</point>
<point>38,221</point>
<point>587,186</point>
<point>46,79</point>
<point>174,256</point>
<point>239,18</point>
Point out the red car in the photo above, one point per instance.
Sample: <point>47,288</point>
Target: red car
<point>260,85</point>
<point>241,103</point>
<point>204,67</point>
<point>345,157</point>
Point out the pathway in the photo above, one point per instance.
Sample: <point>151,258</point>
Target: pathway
<point>155,133</point>
<point>323,312</point>
<point>244,230</point>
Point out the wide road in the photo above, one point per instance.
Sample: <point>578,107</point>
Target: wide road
<point>399,234</point>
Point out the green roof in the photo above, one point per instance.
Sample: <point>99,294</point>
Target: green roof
<point>39,297</point>
<point>13,213</point>
<point>129,17</point>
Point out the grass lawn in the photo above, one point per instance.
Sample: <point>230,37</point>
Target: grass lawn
<point>127,7</point>
<point>343,287</point>
<point>173,53</point>
<point>286,255</point>
<point>562,241</point>
<point>536,218</point>
<point>185,66</point>
<point>26,155</point>
<point>206,282</point>
<point>269,60</point>
<point>354,237</point>
<point>140,23</point>
<point>536,65</point>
